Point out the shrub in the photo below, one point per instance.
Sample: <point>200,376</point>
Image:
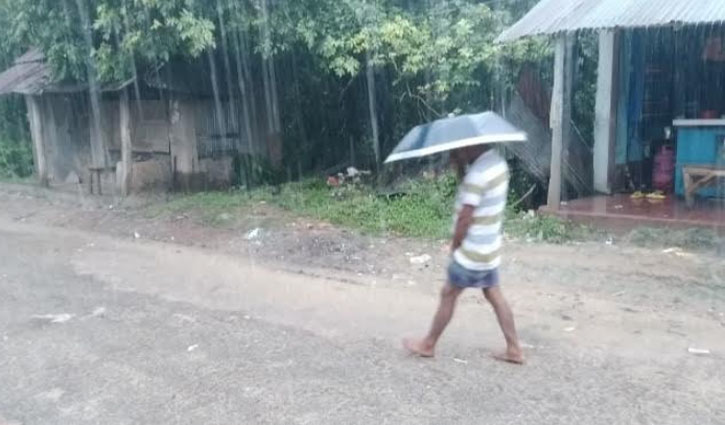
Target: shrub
<point>16,159</point>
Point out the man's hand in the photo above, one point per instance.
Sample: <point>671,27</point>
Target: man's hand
<point>463,223</point>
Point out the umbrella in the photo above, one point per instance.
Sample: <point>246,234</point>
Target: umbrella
<point>453,133</point>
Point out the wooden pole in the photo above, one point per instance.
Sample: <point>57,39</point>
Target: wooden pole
<point>126,145</point>
<point>560,114</point>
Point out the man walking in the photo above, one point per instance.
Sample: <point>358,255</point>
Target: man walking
<point>480,208</point>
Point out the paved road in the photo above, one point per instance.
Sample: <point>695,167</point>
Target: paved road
<point>95,330</point>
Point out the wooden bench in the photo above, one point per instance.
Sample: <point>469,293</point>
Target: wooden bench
<point>698,176</point>
<point>98,172</point>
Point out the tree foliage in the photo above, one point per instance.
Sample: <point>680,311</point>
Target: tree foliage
<point>433,52</point>
<point>428,58</point>
<point>448,40</point>
<point>114,35</point>
<point>13,127</point>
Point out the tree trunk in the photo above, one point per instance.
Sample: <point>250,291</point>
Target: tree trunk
<point>35,117</point>
<point>126,144</point>
<point>370,74</point>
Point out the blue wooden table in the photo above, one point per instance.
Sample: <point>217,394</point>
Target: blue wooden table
<point>700,146</point>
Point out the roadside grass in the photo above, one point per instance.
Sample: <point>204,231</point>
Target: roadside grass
<point>418,209</point>
<point>693,239</point>
<point>17,180</point>
<point>533,227</point>
<point>217,209</point>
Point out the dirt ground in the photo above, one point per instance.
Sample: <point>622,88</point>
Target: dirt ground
<point>278,239</point>
<point>626,319</point>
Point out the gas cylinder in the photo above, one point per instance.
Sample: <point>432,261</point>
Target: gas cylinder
<point>663,172</point>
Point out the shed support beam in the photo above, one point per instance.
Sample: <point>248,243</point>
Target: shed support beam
<point>37,133</point>
<point>605,122</point>
<point>560,114</point>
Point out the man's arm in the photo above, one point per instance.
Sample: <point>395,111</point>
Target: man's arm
<point>463,223</point>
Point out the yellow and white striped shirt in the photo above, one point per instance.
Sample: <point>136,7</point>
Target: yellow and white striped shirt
<point>485,187</point>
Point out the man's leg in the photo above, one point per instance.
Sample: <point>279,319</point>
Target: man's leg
<point>505,318</point>
<point>426,347</point>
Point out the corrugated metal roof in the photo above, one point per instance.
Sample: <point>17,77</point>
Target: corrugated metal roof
<point>32,55</point>
<point>556,16</point>
<point>30,74</point>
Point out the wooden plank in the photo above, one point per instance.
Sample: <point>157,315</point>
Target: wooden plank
<point>605,122</point>
<point>560,114</point>
<point>705,169</point>
<point>689,195</point>
<point>697,177</point>
<point>699,122</point>
<point>183,138</point>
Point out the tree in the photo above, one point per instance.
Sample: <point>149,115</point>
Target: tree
<point>13,127</point>
<point>426,59</point>
<point>320,64</point>
<point>115,35</point>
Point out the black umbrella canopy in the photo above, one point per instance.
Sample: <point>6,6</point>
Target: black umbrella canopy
<point>454,133</point>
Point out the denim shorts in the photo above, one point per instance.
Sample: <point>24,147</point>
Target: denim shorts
<point>462,277</point>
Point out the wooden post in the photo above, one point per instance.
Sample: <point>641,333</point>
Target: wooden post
<point>126,145</point>
<point>605,122</point>
<point>37,134</point>
<point>560,114</point>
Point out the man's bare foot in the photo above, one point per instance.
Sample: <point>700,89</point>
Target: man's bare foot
<point>418,347</point>
<point>510,356</point>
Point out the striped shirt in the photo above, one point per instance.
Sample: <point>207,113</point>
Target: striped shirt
<point>485,187</point>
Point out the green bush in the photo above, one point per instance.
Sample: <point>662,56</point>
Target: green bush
<point>543,228</point>
<point>418,208</point>
<point>16,159</point>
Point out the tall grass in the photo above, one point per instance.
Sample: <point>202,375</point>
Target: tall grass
<point>419,208</point>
